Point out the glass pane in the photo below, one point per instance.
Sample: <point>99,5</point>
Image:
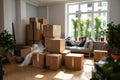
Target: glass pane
<point>73,8</point>
<point>70,24</point>
<point>85,25</point>
<point>104,5</point>
<point>100,6</point>
<point>103,18</point>
<point>86,7</point>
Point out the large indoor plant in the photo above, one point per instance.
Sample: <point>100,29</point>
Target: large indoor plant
<point>97,27</point>
<point>113,39</point>
<point>75,28</point>
<point>6,43</point>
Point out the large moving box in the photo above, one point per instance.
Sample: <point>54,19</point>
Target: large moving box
<point>43,21</point>
<point>38,60</point>
<point>74,61</point>
<point>33,19</point>
<point>98,54</point>
<point>37,34</point>
<point>35,26</point>
<point>51,31</point>
<point>25,50</point>
<point>64,53</point>
<point>53,61</point>
<point>56,45</point>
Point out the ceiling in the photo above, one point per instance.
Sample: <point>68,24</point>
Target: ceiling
<point>46,2</point>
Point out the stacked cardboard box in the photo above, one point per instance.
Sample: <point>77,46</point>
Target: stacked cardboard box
<point>98,54</point>
<point>64,53</point>
<point>38,60</point>
<point>25,50</point>
<point>53,61</point>
<point>74,61</point>
<point>34,30</point>
<point>43,21</point>
<point>52,31</point>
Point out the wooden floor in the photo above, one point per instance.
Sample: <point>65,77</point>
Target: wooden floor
<point>14,72</point>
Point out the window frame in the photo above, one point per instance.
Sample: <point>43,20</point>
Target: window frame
<point>89,12</point>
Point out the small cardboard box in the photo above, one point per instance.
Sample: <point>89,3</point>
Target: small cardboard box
<point>33,19</point>
<point>56,45</point>
<point>38,60</point>
<point>25,50</point>
<point>30,42</point>
<point>53,61</point>
<point>52,31</point>
<point>43,21</point>
<point>98,54</point>
<point>36,33</point>
<point>74,61</point>
<point>64,53</point>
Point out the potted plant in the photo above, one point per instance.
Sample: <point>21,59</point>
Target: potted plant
<point>113,35</point>
<point>97,27</point>
<point>102,33</point>
<point>110,70</point>
<point>75,27</point>
<point>7,42</point>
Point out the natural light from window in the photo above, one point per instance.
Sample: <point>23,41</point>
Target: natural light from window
<point>84,19</point>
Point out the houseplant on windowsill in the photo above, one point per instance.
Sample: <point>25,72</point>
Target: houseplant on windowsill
<point>75,27</point>
<point>7,43</point>
<point>113,35</point>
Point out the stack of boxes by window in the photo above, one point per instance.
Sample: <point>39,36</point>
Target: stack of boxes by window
<point>34,30</point>
<point>54,56</point>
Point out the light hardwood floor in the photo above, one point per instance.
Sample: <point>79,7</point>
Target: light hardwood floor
<point>14,72</point>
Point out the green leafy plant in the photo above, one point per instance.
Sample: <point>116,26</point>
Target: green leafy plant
<point>108,71</point>
<point>7,41</point>
<point>82,28</point>
<point>113,34</point>
<point>75,27</point>
<point>87,32</point>
<point>97,27</point>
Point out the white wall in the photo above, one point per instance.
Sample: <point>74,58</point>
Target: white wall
<point>42,12</point>
<point>57,16</point>
<point>114,14</point>
<point>1,15</point>
<point>31,11</point>
<point>9,14</point>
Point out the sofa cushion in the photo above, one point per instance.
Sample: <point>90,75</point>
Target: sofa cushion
<point>81,43</point>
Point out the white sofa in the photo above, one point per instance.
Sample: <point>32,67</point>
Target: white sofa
<point>87,49</point>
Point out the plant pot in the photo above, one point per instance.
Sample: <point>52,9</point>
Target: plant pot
<point>10,57</point>
<point>115,56</point>
<point>102,39</point>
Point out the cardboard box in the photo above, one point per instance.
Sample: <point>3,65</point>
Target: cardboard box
<point>25,51</point>
<point>37,34</point>
<point>74,61</point>
<point>56,45</point>
<point>35,26</point>
<point>30,42</point>
<point>38,60</point>
<point>53,61</point>
<point>27,26</point>
<point>64,53</point>
<point>33,19</point>
<point>43,21</point>
<point>52,31</point>
<point>98,54</point>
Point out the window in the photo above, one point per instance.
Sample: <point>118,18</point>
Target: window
<point>91,17</point>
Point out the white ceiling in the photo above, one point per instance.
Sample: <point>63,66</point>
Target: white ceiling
<point>47,2</point>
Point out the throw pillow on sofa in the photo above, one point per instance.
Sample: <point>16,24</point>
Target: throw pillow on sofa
<point>81,43</point>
